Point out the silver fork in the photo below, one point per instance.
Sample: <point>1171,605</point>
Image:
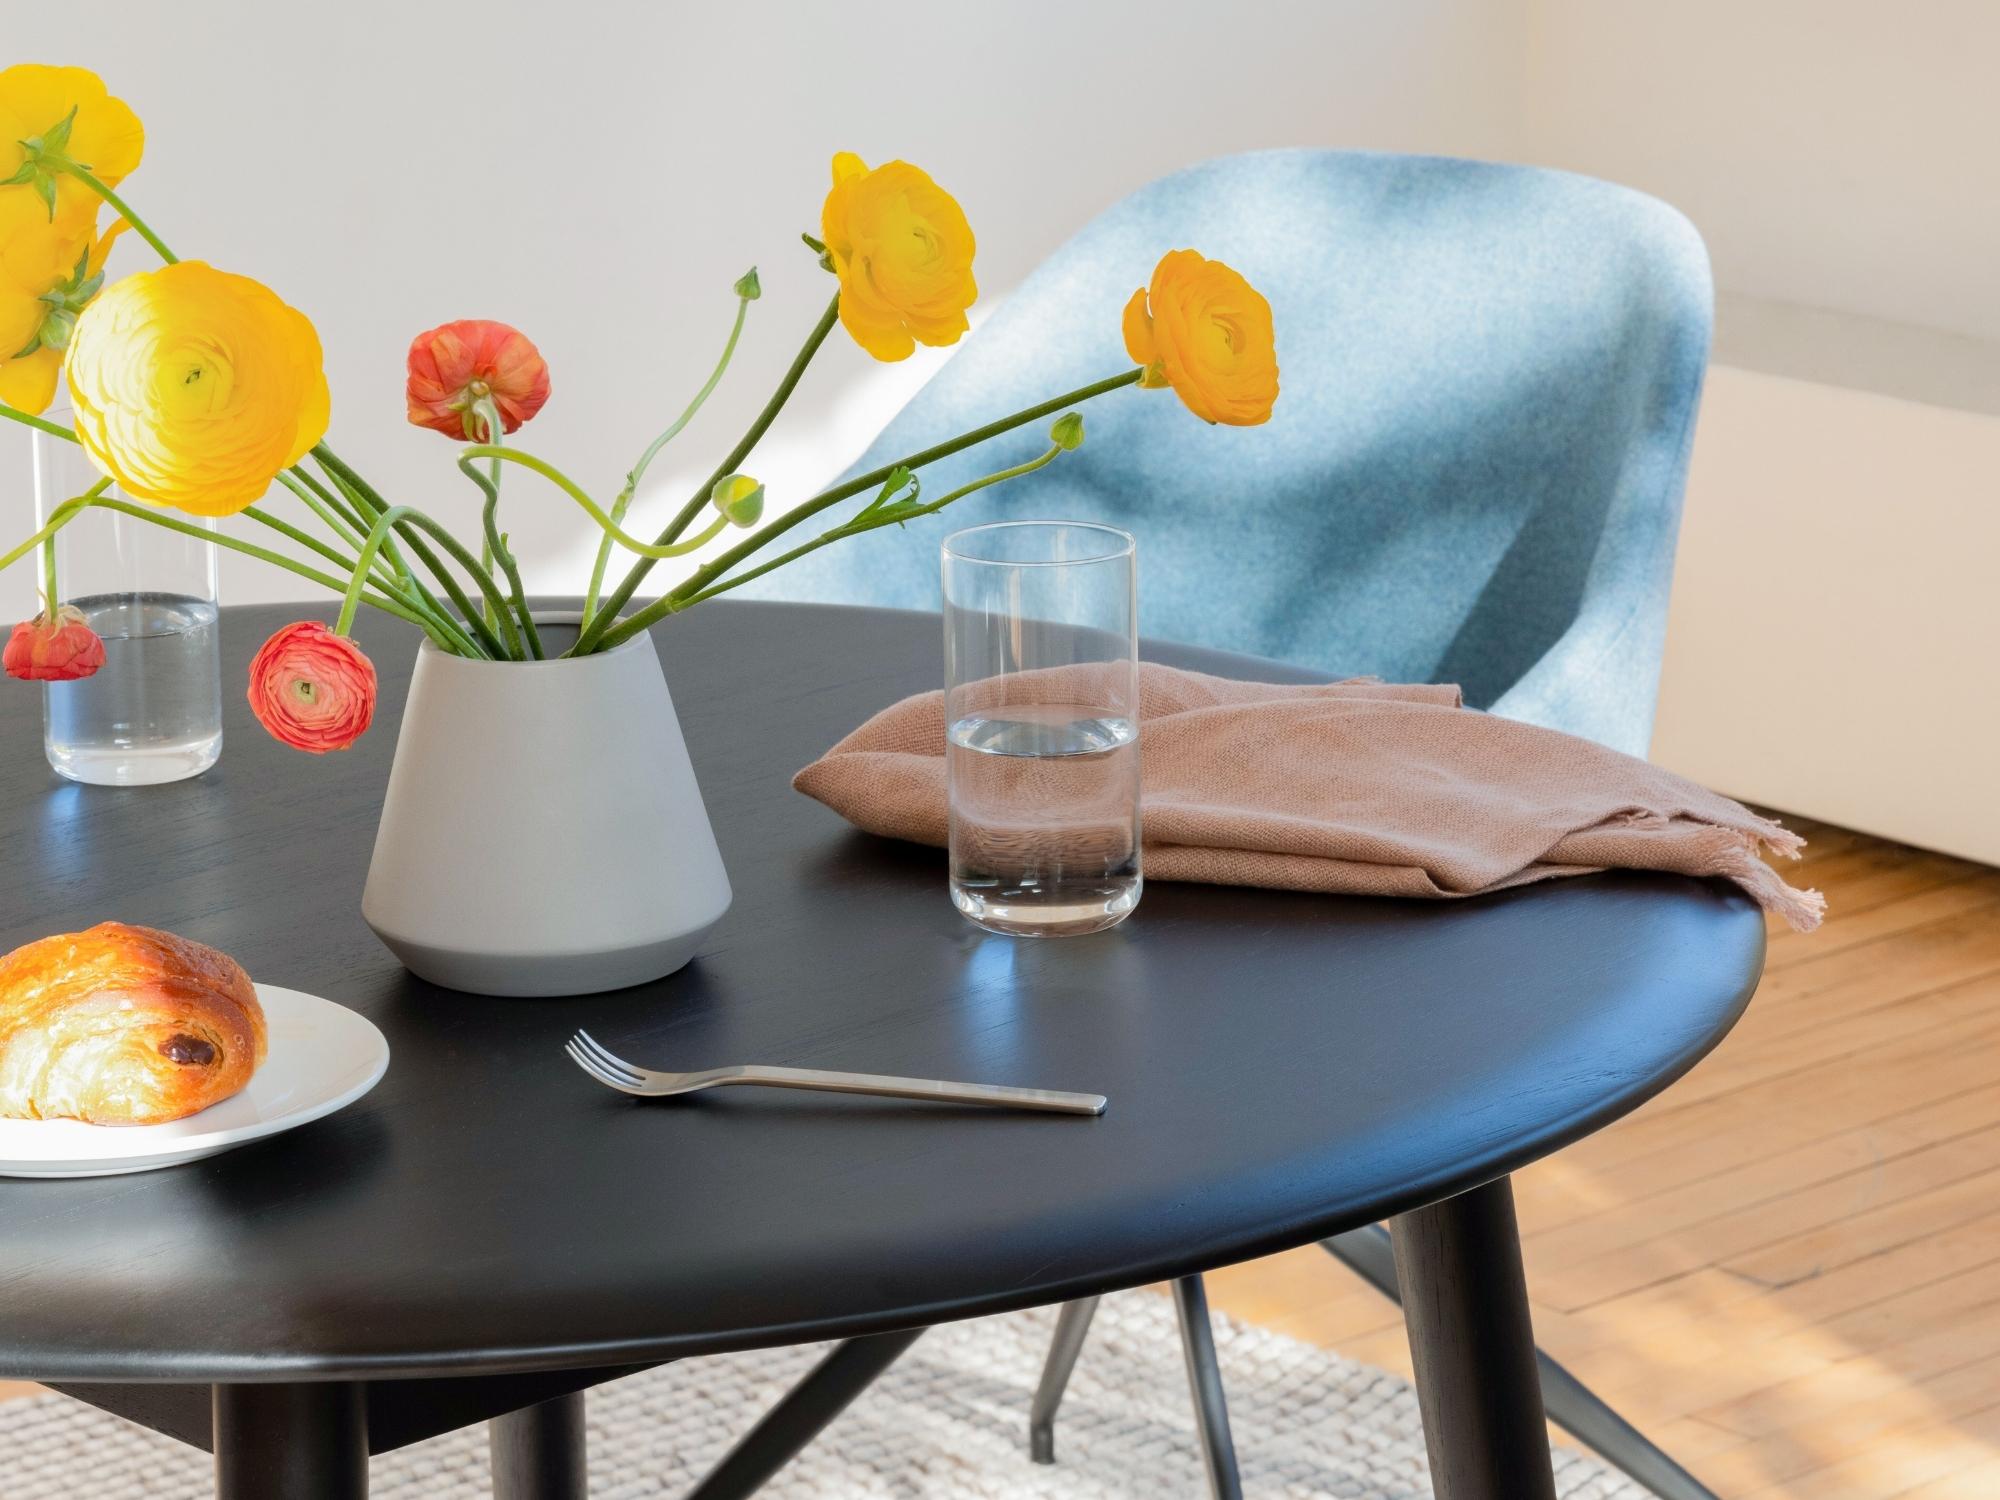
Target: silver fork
<point>614,1072</point>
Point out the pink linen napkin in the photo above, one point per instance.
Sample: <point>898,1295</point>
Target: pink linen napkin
<point>1358,787</point>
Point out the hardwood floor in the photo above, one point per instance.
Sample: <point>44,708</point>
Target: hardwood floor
<point>1786,1269</point>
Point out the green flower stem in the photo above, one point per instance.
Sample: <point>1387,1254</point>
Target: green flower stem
<point>705,577</point>
<point>612,531</point>
<point>388,580</point>
<point>60,517</point>
<point>51,595</point>
<point>302,484</point>
<point>351,510</point>
<point>82,175</point>
<point>409,516</point>
<point>496,540</point>
<point>894,515</point>
<point>340,522</point>
<point>40,424</point>
<point>442,627</point>
<point>486,562</point>
<point>623,503</point>
<point>588,641</point>
<point>364,496</point>
<point>351,596</point>
<point>157,517</point>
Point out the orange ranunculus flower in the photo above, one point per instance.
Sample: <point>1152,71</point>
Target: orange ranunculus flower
<point>456,365</point>
<point>1205,331</point>
<point>69,110</point>
<point>193,387</point>
<point>53,647</point>
<point>312,689</point>
<point>903,252</point>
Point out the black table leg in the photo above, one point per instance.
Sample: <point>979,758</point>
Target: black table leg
<point>540,1452</point>
<point>800,1415</point>
<point>1572,1405</point>
<point>1465,1304</point>
<point>291,1442</point>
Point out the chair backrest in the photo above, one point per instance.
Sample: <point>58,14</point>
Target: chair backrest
<point>1489,377</point>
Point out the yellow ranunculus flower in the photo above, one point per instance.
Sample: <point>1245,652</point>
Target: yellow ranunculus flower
<point>40,261</point>
<point>192,387</point>
<point>903,252</point>
<point>1205,331</point>
<point>105,136</point>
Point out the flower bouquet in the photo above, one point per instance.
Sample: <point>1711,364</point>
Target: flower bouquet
<point>195,391</point>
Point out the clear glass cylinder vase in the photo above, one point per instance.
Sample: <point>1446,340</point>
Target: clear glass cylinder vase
<point>153,712</point>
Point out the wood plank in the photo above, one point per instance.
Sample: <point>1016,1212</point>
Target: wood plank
<point>1787,1269</point>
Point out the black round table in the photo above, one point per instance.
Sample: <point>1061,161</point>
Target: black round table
<point>489,1231</point>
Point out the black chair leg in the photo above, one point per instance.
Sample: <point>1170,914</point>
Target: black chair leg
<point>1218,1449</point>
<point>1211,1412</point>
<point>802,1414</point>
<point>1072,1327</point>
<point>1571,1404</point>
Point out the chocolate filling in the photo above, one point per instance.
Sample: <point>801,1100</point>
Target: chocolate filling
<point>182,1048</point>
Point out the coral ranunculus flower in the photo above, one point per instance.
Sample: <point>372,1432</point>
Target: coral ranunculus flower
<point>1205,331</point>
<point>62,649</point>
<point>903,252</point>
<point>71,106</point>
<point>314,690</point>
<point>456,365</point>
<point>193,387</point>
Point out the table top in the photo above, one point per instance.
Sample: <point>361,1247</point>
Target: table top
<point>1279,1066</point>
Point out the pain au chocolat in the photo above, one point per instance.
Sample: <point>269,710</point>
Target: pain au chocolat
<point>123,1026</point>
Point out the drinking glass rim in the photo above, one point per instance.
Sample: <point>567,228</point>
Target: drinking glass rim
<point>1126,544</point>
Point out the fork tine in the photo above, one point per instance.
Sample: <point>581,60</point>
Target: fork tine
<point>598,1071</point>
<point>607,1057</point>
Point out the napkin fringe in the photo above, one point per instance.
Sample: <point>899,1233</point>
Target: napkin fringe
<point>1738,855</point>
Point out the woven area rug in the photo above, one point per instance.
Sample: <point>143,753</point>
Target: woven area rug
<point>948,1421</point>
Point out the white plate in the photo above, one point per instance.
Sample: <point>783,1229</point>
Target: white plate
<point>321,1057</point>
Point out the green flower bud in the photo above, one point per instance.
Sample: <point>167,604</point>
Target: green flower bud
<point>748,287</point>
<point>1067,434</point>
<point>740,499</point>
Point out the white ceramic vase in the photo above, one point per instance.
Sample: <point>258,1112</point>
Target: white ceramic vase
<point>542,832</point>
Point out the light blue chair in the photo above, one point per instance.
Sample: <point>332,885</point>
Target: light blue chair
<point>1489,379</point>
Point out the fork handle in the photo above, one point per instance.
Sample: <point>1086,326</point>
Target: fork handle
<point>941,1089</point>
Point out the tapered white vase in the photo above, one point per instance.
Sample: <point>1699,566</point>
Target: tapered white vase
<point>542,832</point>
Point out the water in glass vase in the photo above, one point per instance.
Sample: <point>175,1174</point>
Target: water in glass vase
<point>153,711</point>
<point>1044,819</point>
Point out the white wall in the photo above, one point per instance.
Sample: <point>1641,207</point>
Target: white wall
<point>1835,153</point>
<point>599,173</point>
<point>1835,617</point>
<point>1833,624</point>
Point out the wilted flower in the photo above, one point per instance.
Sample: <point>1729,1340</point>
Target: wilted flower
<point>455,366</point>
<point>58,648</point>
